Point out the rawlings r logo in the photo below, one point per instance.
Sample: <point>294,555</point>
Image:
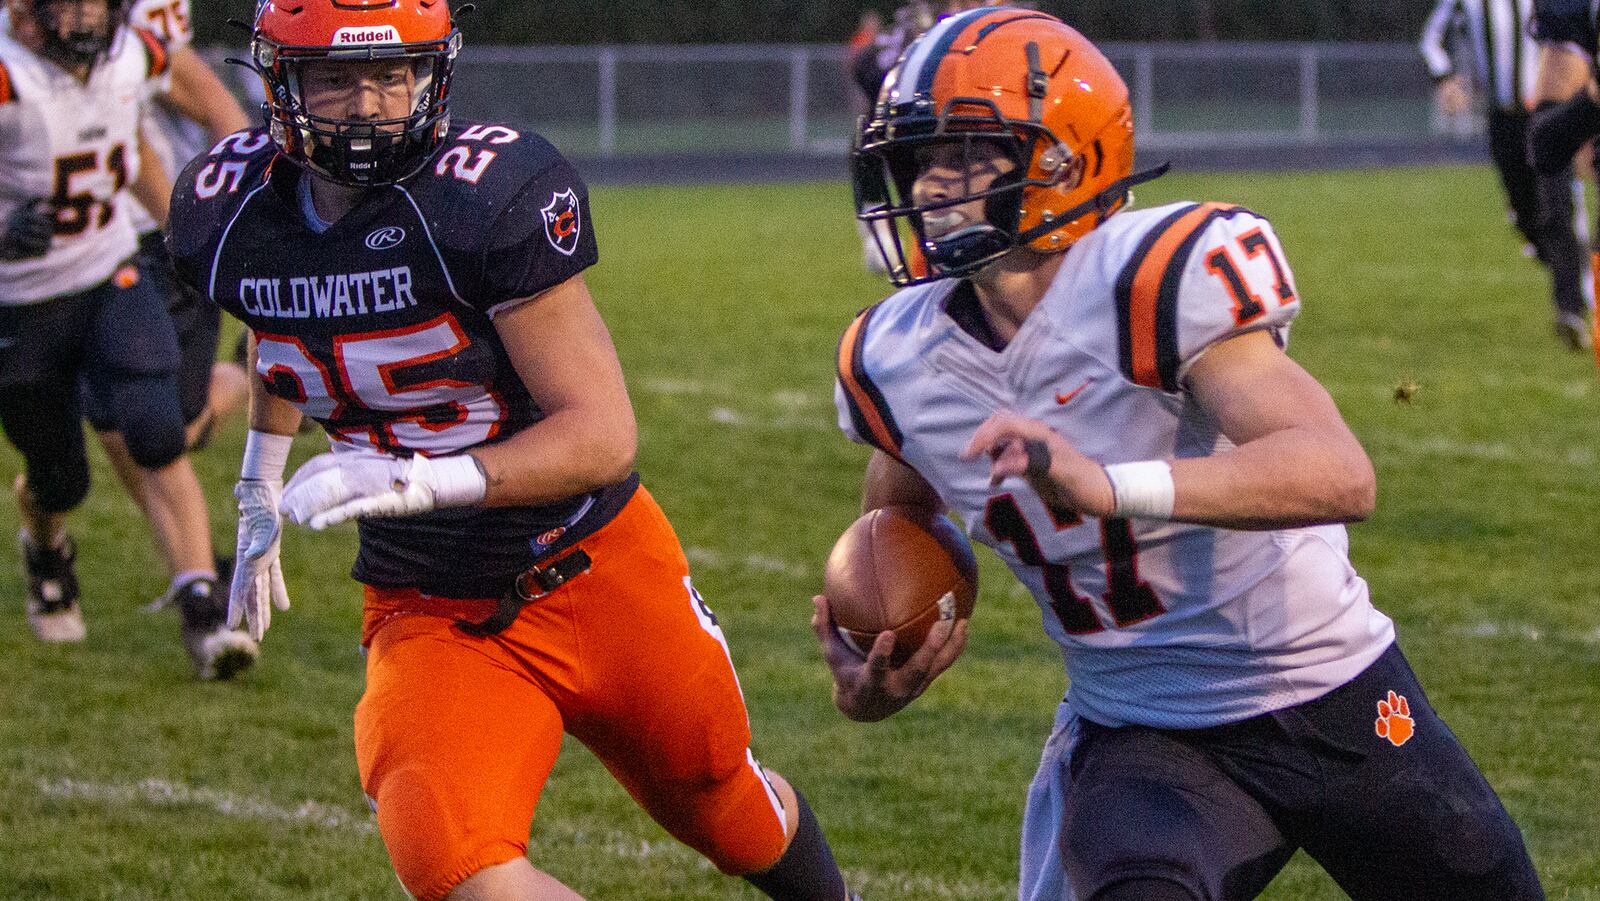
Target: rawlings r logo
<point>385,238</point>
<point>561,221</point>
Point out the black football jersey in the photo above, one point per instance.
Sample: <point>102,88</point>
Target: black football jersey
<point>1566,21</point>
<point>380,327</point>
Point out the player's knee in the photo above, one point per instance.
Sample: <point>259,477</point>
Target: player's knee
<point>58,484</point>
<point>432,850</point>
<point>152,426</point>
<point>733,822</point>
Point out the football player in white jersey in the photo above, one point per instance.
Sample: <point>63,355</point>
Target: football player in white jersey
<point>74,309</point>
<point>1102,395</point>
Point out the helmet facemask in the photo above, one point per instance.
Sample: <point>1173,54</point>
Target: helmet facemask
<point>891,154</point>
<point>358,152</point>
<point>70,44</point>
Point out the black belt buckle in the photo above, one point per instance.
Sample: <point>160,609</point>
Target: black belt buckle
<point>537,581</point>
<point>531,584</point>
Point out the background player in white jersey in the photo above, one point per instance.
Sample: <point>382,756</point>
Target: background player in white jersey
<point>191,112</point>
<point>72,306</point>
<point>1103,398</point>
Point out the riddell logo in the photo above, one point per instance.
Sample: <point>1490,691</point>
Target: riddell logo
<point>386,34</point>
<point>1394,720</point>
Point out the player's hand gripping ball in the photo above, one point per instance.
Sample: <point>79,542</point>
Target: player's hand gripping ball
<point>897,570</point>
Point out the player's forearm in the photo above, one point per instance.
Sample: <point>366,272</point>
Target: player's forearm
<point>890,483</point>
<point>568,453</point>
<point>269,414</point>
<point>199,95</point>
<point>152,188</point>
<point>1295,477</point>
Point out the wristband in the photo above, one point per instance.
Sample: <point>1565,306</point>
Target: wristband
<point>265,455</point>
<point>1142,490</point>
<point>458,481</point>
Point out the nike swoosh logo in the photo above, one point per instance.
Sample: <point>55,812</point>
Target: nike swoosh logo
<point>1063,398</point>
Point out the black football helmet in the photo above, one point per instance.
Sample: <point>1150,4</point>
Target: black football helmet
<point>71,39</point>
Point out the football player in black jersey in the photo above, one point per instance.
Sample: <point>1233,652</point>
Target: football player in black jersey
<point>416,287</point>
<point>1567,113</point>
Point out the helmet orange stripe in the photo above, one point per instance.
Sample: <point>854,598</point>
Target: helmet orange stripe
<point>866,403</point>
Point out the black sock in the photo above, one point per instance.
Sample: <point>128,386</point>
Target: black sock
<point>806,871</point>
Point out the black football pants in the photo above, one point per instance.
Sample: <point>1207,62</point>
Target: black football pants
<point>1213,814</point>
<point>121,344</point>
<point>1541,208</point>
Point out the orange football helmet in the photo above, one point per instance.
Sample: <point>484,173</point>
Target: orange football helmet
<point>1000,76</point>
<point>289,33</point>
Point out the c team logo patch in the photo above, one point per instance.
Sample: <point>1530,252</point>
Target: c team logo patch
<point>1394,720</point>
<point>561,221</point>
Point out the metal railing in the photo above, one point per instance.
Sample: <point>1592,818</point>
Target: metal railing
<point>605,101</point>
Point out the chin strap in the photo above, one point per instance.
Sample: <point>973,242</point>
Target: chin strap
<point>1102,203</point>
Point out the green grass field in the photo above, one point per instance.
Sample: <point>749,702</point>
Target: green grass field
<point>120,778</point>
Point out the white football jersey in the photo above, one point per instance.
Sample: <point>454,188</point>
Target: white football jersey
<point>175,138</point>
<point>1160,623</point>
<point>77,144</point>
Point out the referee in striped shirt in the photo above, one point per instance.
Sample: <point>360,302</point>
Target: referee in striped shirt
<point>1504,59</point>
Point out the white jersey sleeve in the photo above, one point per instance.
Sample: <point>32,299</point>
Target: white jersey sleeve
<point>1204,273</point>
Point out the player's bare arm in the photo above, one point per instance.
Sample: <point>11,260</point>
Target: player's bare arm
<point>1295,463</point>
<point>199,95</point>
<point>587,439</point>
<point>153,189</point>
<point>1563,72</point>
<point>869,688</point>
<point>1567,114</point>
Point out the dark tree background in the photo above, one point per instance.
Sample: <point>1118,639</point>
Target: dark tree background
<point>830,21</point>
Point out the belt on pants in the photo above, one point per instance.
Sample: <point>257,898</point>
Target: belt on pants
<point>530,585</point>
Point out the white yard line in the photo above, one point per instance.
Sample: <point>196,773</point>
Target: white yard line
<point>161,793</point>
<point>715,559</point>
<point>581,835</point>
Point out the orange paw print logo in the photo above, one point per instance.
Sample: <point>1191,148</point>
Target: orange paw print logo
<point>1394,720</point>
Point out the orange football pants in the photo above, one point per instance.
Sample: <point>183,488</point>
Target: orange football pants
<point>456,735</point>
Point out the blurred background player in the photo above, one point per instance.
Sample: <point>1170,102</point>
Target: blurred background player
<point>191,113</point>
<point>75,309</point>
<point>1566,116</point>
<point>417,287</point>
<point>1234,695</point>
<point>871,53</point>
<point>1543,208</point>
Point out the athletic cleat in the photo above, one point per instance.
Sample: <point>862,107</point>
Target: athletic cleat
<point>1573,331</point>
<point>53,610</point>
<point>217,651</point>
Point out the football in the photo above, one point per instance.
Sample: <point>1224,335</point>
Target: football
<point>897,570</point>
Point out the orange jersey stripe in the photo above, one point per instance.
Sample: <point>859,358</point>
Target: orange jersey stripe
<point>156,50</point>
<point>7,94</point>
<point>863,396</point>
<point>1144,298</point>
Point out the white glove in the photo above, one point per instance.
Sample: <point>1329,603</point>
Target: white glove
<point>257,575</point>
<point>331,488</point>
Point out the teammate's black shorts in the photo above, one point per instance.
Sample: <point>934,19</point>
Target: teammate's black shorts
<point>198,323</point>
<point>115,343</point>
<point>1383,797</point>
